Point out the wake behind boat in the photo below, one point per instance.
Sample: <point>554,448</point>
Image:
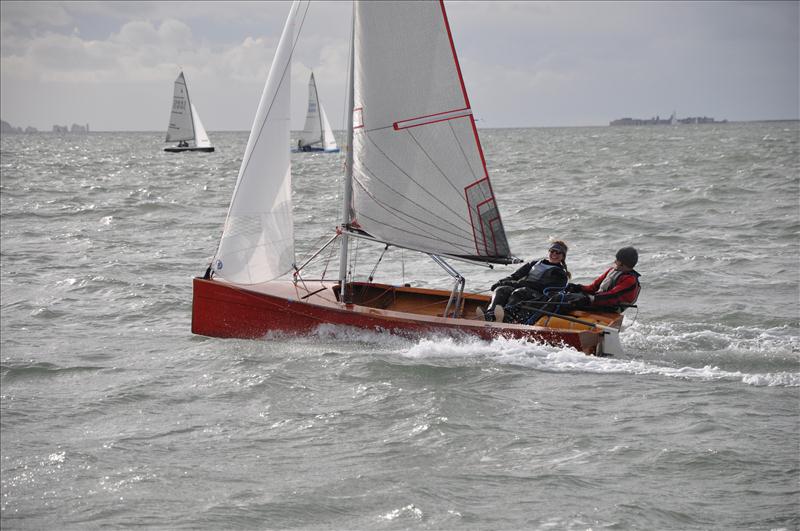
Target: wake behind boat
<point>317,134</point>
<point>415,179</point>
<point>185,126</point>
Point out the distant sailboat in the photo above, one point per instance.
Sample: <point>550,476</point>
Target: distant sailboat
<point>317,134</point>
<point>185,126</point>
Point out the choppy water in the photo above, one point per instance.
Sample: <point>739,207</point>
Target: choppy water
<point>115,415</point>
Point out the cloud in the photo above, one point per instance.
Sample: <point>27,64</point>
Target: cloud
<point>140,51</point>
<point>21,18</point>
<point>247,62</point>
<point>525,63</point>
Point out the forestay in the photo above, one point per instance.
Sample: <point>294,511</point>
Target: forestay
<point>257,243</point>
<point>181,126</point>
<point>419,176</point>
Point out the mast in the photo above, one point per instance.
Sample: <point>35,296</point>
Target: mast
<point>348,166</point>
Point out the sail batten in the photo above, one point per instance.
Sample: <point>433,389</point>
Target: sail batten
<point>404,221</point>
<point>376,196</point>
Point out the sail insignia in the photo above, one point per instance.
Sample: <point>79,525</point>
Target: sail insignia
<point>181,125</point>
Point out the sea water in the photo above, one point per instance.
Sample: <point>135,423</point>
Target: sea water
<point>114,415</point>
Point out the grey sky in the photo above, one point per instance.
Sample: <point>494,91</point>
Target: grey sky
<point>112,64</point>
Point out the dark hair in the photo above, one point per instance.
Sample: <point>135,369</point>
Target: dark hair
<point>628,256</point>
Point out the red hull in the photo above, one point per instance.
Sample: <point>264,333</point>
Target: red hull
<point>220,309</point>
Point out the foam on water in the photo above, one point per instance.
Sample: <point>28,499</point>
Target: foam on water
<point>506,351</point>
<point>669,336</point>
<point>106,393</point>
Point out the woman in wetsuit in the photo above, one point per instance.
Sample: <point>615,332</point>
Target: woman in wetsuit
<point>529,282</point>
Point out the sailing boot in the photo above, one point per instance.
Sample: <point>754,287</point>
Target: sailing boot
<point>486,315</point>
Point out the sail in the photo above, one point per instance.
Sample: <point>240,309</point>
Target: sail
<point>419,176</point>
<point>328,140</point>
<point>180,126</point>
<point>201,137</point>
<point>317,130</point>
<point>257,242</point>
<point>312,131</point>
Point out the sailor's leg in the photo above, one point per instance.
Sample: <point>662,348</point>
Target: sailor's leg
<point>499,298</point>
<point>515,314</point>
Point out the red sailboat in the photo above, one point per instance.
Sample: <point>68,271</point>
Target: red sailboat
<point>415,179</point>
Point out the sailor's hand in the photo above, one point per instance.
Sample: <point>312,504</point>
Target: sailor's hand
<point>501,282</point>
<point>574,288</point>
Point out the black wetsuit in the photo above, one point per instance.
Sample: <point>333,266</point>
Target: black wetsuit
<point>529,282</point>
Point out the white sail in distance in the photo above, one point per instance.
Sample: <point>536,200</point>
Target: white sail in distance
<point>201,137</point>
<point>257,243</point>
<point>181,125</point>
<point>317,130</point>
<point>312,130</point>
<point>419,175</point>
<point>328,140</point>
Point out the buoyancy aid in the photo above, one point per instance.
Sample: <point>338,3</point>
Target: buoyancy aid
<point>613,277</point>
<point>544,275</point>
<point>610,281</point>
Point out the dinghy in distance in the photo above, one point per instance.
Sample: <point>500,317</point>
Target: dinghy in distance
<point>317,134</point>
<point>185,126</point>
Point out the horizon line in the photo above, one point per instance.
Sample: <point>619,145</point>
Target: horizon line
<point>479,127</point>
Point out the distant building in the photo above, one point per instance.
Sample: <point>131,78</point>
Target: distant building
<point>8,129</point>
<point>672,120</point>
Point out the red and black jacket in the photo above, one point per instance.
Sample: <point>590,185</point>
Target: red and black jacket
<point>624,291</point>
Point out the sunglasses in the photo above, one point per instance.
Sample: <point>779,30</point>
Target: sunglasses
<point>556,251</point>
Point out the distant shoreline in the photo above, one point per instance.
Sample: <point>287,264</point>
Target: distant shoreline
<point>160,132</point>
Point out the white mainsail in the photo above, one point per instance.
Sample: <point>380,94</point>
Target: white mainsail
<point>419,176</point>
<point>257,243</point>
<point>317,130</point>
<point>312,131</point>
<point>181,125</point>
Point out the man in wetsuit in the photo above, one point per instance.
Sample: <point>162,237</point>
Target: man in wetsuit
<point>616,287</point>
